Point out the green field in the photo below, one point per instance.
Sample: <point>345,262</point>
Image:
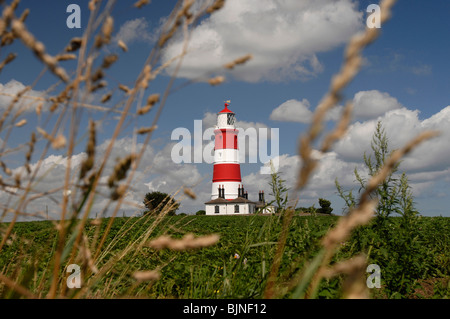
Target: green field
<point>414,258</point>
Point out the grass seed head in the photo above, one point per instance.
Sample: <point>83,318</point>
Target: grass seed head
<point>21,123</point>
<point>145,130</point>
<point>109,60</point>
<point>238,61</point>
<point>74,44</point>
<point>106,97</point>
<point>122,45</point>
<point>216,80</point>
<point>59,142</point>
<point>147,275</point>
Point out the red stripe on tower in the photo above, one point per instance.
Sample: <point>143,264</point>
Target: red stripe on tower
<point>227,173</point>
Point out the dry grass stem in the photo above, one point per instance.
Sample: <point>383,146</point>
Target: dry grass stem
<point>357,217</point>
<point>17,287</point>
<point>88,163</point>
<point>148,275</point>
<point>217,5</point>
<point>87,255</point>
<point>189,192</point>
<point>189,241</point>
<point>24,15</point>
<point>139,4</point>
<point>354,286</point>
<point>8,59</point>
<point>147,76</point>
<point>340,130</point>
<point>105,37</point>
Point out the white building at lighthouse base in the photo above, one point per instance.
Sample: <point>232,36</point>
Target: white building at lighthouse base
<point>238,206</point>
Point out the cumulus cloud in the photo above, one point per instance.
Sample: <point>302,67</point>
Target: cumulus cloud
<point>292,111</point>
<point>284,38</point>
<point>371,104</point>
<point>26,103</point>
<point>299,111</point>
<point>133,31</point>
<point>367,105</point>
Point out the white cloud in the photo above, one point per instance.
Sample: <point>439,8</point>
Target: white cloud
<point>299,111</point>
<point>370,104</point>
<point>284,38</point>
<point>133,31</point>
<point>26,103</point>
<point>292,111</point>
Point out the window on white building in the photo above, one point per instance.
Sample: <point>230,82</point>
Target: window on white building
<point>216,209</point>
<point>236,208</point>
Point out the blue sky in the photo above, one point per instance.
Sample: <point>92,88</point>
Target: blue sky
<point>297,46</point>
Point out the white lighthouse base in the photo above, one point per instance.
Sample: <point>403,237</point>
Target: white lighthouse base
<point>231,189</point>
<point>237,206</point>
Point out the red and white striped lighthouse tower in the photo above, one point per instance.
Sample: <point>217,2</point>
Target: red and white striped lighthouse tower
<point>227,171</point>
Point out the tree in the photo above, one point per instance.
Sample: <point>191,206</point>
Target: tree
<point>157,202</point>
<point>395,243</point>
<point>393,194</point>
<point>278,188</point>
<point>325,206</point>
<point>200,212</point>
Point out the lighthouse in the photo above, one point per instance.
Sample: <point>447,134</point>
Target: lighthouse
<point>227,170</point>
<point>228,195</point>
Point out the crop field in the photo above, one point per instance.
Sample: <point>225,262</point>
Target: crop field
<point>413,262</point>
